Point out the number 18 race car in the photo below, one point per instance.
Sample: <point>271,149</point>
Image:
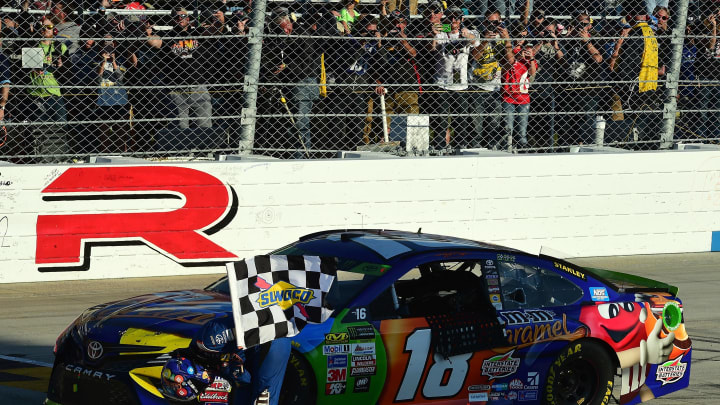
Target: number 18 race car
<point>417,318</point>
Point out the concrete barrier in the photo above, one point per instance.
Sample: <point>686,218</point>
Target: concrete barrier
<point>144,219</point>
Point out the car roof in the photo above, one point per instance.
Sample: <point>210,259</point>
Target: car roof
<point>381,246</point>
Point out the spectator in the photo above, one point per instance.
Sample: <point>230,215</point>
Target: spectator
<point>4,82</point>
<point>112,100</point>
<point>688,86</point>
<point>452,76</point>
<point>582,65</point>
<point>81,107</point>
<point>549,55</point>
<point>486,75</point>
<point>186,62</point>
<point>348,16</point>
<point>518,72</point>
<point>537,23</point>
<point>46,96</point>
<point>708,69</point>
<point>395,64</point>
<point>636,56</point>
<point>663,39</point>
<point>66,28</point>
<point>411,7</point>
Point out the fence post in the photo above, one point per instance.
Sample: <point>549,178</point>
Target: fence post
<point>672,77</point>
<point>252,76</point>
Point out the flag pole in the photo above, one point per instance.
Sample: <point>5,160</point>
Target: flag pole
<point>234,299</point>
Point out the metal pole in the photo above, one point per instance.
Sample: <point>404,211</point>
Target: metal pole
<point>670,107</point>
<point>252,76</point>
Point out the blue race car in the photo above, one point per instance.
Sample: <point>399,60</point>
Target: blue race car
<point>417,318</point>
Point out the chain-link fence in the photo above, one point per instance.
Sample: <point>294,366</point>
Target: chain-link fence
<point>305,79</point>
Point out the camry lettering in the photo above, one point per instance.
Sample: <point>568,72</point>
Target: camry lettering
<point>88,372</point>
<point>62,239</point>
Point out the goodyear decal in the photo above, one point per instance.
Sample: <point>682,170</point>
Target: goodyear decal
<point>284,295</point>
<point>570,270</point>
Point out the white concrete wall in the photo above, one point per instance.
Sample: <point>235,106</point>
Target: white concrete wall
<point>581,204</point>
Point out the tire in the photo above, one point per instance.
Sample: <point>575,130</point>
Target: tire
<point>583,373</point>
<point>299,387</point>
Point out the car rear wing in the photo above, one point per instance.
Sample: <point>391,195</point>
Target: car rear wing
<point>629,283</point>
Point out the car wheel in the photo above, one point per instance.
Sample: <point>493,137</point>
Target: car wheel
<point>299,383</point>
<point>583,373</point>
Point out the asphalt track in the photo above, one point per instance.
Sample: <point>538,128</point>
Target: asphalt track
<point>33,314</point>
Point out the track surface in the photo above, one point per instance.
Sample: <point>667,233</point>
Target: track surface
<point>33,314</point>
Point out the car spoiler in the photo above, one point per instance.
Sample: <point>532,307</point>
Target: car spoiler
<point>629,283</point>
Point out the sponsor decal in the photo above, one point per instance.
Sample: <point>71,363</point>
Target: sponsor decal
<point>335,349</point>
<point>506,257</point>
<point>94,350</point>
<point>335,388</point>
<point>492,276</point>
<point>496,396</point>
<point>489,264</point>
<point>362,384</point>
<point>479,387</point>
<point>358,371</point>
<point>219,384</point>
<point>213,205</point>
<point>494,290</point>
<point>497,305</point>
<point>516,384</point>
<point>217,397</point>
<point>500,387</point>
<point>495,298</point>
<point>512,395</point>
<point>599,294</point>
<point>334,338</point>
<point>527,316</point>
<point>336,375</point>
<point>537,332</point>
<point>363,348</point>
<point>671,371</point>
<point>478,397</point>
<point>528,395</point>
<point>337,361</point>
<point>570,270</point>
<point>493,282</point>
<point>282,294</point>
<point>362,363</point>
<point>361,332</point>
<point>89,372</point>
<point>500,366</point>
<point>533,379</point>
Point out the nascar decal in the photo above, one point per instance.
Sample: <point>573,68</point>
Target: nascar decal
<point>671,371</point>
<point>500,366</point>
<point>283,294</point>
<point>599,294</point>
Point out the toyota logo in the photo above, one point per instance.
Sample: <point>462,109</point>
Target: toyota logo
<point>94,350</point>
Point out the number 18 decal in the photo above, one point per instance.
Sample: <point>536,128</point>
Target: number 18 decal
<point>456,368</point>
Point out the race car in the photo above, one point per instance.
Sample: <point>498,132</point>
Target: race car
<point>416,318</point>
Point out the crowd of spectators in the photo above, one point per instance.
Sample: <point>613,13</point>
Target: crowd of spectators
<point>110,83</point>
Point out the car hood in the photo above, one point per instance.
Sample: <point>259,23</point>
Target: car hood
<point>178,313</point>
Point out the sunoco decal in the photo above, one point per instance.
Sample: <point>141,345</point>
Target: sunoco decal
<point>282,294</point>
<point>671,371</point>
<point>500,366</point>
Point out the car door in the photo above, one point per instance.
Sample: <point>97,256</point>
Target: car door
<point>442,339</point>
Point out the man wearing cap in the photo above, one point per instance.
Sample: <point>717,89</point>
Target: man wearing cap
<point>452,77</point>
<point>185,64</point>
<point>68,30</point>
<point>485,77</point>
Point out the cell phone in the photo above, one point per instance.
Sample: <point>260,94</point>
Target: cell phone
<point>446,28</point>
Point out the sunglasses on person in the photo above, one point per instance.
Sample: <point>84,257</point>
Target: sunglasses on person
<point>181,16</point>
<point>663,17</point>
<point>48,27</point>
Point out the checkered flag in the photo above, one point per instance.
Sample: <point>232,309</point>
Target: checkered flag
<point>276,296</point>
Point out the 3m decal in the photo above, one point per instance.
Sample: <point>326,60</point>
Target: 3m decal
<point>64,240</point>
<point>333,338</point>
<point>337,375</point>
<point>362,384</point>
<point>335,388</point>
<point>500,366</point>
<point>671,371</point>
<point>445,378</point>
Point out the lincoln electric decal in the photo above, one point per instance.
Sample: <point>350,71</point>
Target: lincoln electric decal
<point>64,241</point>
